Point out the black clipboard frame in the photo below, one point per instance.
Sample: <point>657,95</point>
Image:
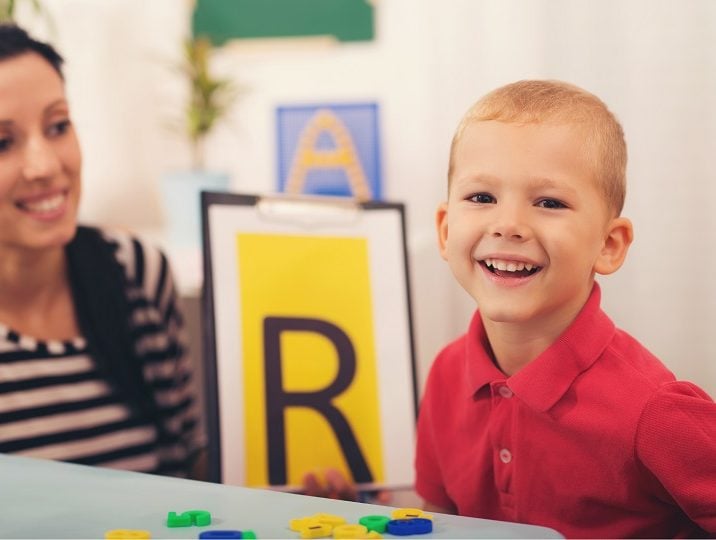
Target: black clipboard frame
<point>209,199</point>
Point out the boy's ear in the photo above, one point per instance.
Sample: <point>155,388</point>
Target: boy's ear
<point>619,236</point>
<point>442,226</point>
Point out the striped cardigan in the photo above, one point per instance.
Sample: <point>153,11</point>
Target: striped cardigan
<point>54,404</point>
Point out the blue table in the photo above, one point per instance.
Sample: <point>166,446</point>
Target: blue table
<point>48,499</point>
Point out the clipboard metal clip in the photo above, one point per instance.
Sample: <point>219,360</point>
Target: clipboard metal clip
<point>309,211</point>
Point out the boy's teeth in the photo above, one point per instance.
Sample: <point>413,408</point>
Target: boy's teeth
<point>505,266</point>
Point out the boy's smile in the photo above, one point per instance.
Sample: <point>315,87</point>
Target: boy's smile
<point>511,269</point>
<point>526,224</point>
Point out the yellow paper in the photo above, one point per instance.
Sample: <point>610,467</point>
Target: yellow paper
<point>319,281</point>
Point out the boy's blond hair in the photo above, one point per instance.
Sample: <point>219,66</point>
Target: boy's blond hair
<point>557,102</point>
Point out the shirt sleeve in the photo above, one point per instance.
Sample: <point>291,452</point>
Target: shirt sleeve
<point>181,414</point>
<point>676,442</point>
<point>163,346</point>
<point>428,478</point>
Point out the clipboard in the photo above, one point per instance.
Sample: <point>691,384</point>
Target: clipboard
<point>308,340</point>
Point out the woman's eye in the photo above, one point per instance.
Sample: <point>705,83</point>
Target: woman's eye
<point>551,204</point>
<point>58,128</point>
<point>482,198</point>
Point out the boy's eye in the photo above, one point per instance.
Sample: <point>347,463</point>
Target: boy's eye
<point>551,204</point>
<point>5,144</point>
<point>482,198</point>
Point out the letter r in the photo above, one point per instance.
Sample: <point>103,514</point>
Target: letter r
<point>278,399</point>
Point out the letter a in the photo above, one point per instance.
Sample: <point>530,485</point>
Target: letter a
<point>344,156</point>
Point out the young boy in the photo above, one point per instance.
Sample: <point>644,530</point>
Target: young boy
<point>544,412</point>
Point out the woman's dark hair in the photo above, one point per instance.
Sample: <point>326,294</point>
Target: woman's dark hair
<point>14,41</point>
<point>99,287</point>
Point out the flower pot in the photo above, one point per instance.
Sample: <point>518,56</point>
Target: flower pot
<point>182,204</point>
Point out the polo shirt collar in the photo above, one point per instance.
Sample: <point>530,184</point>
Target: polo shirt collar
<point>542,382</point>
<point>479,367</point>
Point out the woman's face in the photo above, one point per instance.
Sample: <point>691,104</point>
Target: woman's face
<point>40,157</point>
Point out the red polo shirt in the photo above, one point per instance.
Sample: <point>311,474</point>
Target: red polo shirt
<point>594,438</point>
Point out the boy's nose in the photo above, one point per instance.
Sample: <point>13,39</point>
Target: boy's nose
<point>40,159</point>
<point>509,224</point>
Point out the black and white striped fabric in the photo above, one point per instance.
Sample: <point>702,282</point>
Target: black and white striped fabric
<point>54,404</point>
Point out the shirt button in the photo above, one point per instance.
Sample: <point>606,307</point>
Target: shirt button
<point>505,455</point>
<point>505,392</point>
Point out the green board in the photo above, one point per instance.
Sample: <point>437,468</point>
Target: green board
<point>222,20</point>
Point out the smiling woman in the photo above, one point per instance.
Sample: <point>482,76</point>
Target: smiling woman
<point>39,152</point>
<point>93,366</point>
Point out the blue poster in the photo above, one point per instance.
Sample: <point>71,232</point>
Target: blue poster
<point>329,150</point>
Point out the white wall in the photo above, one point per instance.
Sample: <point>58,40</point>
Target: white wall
<point>653,62</point>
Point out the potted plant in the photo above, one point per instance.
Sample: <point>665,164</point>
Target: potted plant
<point>209,100</point>
<point>8,8</point>
<point>30,14</point>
